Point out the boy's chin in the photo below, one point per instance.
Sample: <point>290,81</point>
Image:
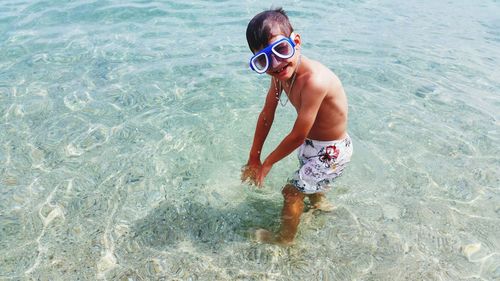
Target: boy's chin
<point>283,75</point>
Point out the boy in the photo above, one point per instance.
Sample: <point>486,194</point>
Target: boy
<point>320,127</point>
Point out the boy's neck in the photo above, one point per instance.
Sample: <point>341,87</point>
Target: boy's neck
<point>296,72</point>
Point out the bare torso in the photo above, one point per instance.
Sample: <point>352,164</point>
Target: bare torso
<point>331,120</point>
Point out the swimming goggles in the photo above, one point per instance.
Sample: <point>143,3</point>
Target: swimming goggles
<point>283,48</point>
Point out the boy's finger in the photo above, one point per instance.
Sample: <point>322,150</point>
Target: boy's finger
<point>260,180</point>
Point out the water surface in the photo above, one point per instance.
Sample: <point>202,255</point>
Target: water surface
<point>124,125</point>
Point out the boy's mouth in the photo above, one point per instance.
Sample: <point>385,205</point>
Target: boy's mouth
<point>280,70</point>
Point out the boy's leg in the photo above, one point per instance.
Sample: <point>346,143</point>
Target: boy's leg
<point>318,201</point>
<point>293,206</point>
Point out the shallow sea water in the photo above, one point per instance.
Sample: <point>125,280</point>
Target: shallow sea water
<point>124,125</point>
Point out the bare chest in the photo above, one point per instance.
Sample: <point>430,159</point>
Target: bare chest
<point>290,93</point>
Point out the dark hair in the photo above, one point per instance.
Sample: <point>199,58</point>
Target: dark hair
<point>259,28</point>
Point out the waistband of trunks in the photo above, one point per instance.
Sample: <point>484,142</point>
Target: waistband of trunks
<point>325,143</point>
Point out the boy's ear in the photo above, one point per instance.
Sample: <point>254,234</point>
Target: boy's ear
<point>296,39</point>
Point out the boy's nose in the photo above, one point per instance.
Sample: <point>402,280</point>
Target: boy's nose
<point>274,61</point>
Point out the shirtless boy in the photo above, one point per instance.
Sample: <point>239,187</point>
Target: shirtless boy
<point>319,131</point>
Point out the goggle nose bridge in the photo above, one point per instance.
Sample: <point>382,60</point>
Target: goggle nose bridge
<point>274,59</point>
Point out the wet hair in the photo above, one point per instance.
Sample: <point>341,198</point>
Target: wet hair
<point>259,28</point>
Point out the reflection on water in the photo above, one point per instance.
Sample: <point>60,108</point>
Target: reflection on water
<point>124,127</point>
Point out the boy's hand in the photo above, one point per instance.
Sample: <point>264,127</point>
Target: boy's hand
<point>249,172</point>
<point>262,173</point>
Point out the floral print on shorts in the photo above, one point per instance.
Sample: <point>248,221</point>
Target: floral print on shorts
<point>320,163</point>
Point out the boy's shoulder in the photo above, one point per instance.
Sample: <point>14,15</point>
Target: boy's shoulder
<point>319,77</point>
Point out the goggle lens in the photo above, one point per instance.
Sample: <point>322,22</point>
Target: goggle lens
<point>283,49</point>
<point>260,62</point>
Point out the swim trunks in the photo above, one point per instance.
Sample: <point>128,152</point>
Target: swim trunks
<point>320,163</point>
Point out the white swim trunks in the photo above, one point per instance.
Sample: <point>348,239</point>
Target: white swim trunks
<point>320,163</point>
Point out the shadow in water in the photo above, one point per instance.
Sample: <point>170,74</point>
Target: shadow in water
<point>204,225</point>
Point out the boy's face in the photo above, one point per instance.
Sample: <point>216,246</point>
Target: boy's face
<point>282,69</point>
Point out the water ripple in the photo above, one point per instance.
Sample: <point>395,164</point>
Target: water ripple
<point>125,124</point>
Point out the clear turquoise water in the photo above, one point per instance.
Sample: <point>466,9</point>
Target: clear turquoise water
<point>124,125</point>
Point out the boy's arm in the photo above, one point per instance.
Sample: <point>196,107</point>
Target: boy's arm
<point>264,123</point>
<point>311,97</point>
